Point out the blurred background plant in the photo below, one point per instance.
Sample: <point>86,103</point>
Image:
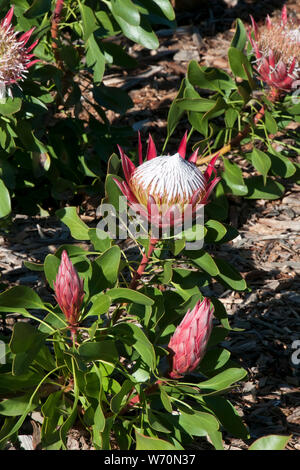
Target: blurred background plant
<point>55,136</point>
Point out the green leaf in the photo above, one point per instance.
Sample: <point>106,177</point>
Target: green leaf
<point>258,190</point>
<point>121,294</point>
<point>68,215</point>
<point>119,400</point>
<point>34,266</point>
<point>101,303</point>
<point>134,336</point>
<point>238,63</point>
<point>198,423</point>
<point>95,58</point>
<point>142,34</point>
<point>271,442</point>
<point>105,351</point>
<point>240,36</point>
<point>230,276</point>
<point>112,98</point>
<point>99,239</point>
<point>10,106</point>
<point>25,343</point>
<point>38,8</point>
<point>5,205</point>
<point>195,104</point>
<point>166,400</point>
<point>16,406</point>
<point>166,8</point>
<point>224,379</point>
<point>262,162</point>
<point>105,270</point>
<point>20,297</point>
<point>175,113</point>
<point>270,122</point>
<point>155,421</point>
<point>233,178</point>
<point>151,443</point>
<point>88,21</point>
<point>214,359</point>
<point>51,265</point>
<point>18,383</point>
<point>227,415</point>
<point>209,78</point>
<point>281,165</point>
<point>203,260</point>
<point>126,10</point>
<point>231,116</point>
<point>216,231</point>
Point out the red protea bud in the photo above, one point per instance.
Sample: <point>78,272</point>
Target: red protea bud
<point>277,49</point>
<point>68,289</point>
<point>188,344</point>
<point>15,56</point>
<point>166,187</point>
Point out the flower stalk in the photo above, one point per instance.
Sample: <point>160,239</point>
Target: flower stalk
<point>56,19</point>
<point>272,96</point>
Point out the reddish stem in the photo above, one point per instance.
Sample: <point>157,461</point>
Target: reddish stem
<point>56,18</point>
<point>145,259</point>
<point>136,399</point>
<point>272,96</point>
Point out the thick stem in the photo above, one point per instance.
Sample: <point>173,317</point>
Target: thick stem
<point>56,18</point>
<point>140,271</point>
<point>272,96</point>
<point>136,399</point>
<point>136,277</point>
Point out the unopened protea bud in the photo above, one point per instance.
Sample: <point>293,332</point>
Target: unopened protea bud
<point>277,49</point>
<point>188,344</point>
<point>167,187</point>
<point>68,289</point>
<point>15,57</point>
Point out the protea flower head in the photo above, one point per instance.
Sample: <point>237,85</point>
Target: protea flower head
<point>15,57</point>
<point>277,49</point>
<point>166,188</point>
<point>68,289</point>
<point>188,344</point>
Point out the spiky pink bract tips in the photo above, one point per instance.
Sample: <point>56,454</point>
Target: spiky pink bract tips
<point>68,289</point>
<point>164,186</point>
<point>276,46</point>
<point>188,344</point>
<point>15,57</point>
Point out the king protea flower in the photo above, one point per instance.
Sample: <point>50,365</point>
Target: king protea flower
<point>277,49</point>
<point>166,188</point>
<point>189,341</point>
<point>68,289</point>
<point>15,57</point>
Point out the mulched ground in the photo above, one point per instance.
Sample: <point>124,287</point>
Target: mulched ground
<point>266,251</point>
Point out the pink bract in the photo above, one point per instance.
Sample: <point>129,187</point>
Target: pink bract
<point>15,57</point>
<point>277,49</point>
<point>188,344</point>
<point>68,289</point>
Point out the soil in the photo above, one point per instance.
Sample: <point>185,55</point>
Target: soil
<point>266,252</point>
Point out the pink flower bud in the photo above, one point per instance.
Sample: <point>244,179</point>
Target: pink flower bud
<point>15,56</point>
<point>68,289</point>
<point>188,344</point>
<point>277,49</point>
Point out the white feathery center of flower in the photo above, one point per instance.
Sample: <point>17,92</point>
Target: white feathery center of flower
<point>170,179</point>
<point>294,34</point>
